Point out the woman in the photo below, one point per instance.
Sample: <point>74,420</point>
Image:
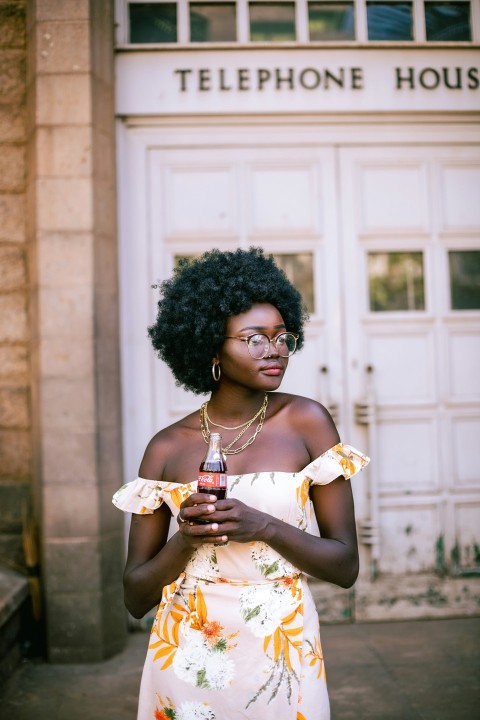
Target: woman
<point>236,632</point>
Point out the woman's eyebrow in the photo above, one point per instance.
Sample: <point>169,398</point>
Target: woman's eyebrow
<point>261,327</point>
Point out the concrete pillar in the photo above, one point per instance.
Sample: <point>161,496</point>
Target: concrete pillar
<point>72,233</point>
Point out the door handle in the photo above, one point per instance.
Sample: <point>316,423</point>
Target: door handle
<point>369,526</point>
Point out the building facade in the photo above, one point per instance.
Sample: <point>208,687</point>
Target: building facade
<point>344,138</point>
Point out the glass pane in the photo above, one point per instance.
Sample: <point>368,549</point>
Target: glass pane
<point>272,21</point>
<point>153,22</point>
<point>395,281</point>
<point>448,21</point>
<point>299,270</point>
<point>389,21</point>
<point>331,21</point>
<point>464,268</point>
<point>212,23</point>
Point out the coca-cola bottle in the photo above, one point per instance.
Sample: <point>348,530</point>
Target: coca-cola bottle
<point>212,474</point>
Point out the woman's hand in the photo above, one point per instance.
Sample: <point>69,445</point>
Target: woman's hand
<point>239,522</point>
<point>195,523</point>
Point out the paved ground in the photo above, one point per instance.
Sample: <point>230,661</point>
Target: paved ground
<point>428,670</point>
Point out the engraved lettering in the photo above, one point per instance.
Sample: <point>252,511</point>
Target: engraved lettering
<point>338,80</point>
<point>204,79</point>
<point>425,74</point>
<point>410,78</point>
<point>243,79</point>
<point>357,78</point>
<point>223,86</point>
<point>473,80</point>
<point>279,79</point>
<point>310,79</point>
<point>263,76</point>
<point>183,78</point>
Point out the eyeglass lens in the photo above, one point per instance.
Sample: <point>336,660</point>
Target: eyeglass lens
<point>259,345</point>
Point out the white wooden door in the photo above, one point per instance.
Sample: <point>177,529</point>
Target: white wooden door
<point>282,199</point>
<point>409,216</point>
<point>370,235</point>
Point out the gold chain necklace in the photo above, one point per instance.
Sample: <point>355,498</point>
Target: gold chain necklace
<point>236,427</point>
<point>228,449</point>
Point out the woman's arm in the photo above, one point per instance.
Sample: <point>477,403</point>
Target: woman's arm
<point>152,561</point>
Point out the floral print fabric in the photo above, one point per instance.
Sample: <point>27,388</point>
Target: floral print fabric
<point>237,634</point>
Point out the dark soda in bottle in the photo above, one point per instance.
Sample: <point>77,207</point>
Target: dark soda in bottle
<point>212,474</point>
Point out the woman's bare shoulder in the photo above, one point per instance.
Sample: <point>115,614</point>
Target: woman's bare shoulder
<point>168,442</point>
<point>311,420</point>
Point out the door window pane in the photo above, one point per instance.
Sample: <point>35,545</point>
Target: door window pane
<point>153,22</point>
<point>389,21</point>
<point>447,20</point>
<point>212,23</point>
<point>299,270</point>
<point>395,281</point>
<point>464,266</point>
<point>331,21</point>
<point>272,21</point>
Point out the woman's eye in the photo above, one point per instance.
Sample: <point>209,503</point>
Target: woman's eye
<point>256,340</point>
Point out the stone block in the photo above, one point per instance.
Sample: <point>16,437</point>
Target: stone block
<point>11,551</point>
<point>13,499</point>
<point>70,511</point>
<point>72,358</point>
<point>102,41</point>
<point>104,207</point>
<point>72,565</point>
<point>114,625</point>
<point>64,204</point>
<point>66,312</point>
<point>103,106</point>
<point>68,404</point>
<point>63,47</point>
<point>77,630</point>
<point>12,218</point>
<point>12,268</point>
<point>14,408</point>
<point>14,361</point>
<point>112,559</point>
<point>65,259</point>
<point>13,317</point>
<point>12,168</point>
<point>62,10</point>
<point>12,124</point>
<point>113,520</point>
<point>12,77</point>
<point>64,151</point>
<point>69,457</point>
<point>109,444</point>
<point>16,454</point>
<point>108,399</point>
<point>104,156</point>
<point>12,22</point>
<point>63,99</point>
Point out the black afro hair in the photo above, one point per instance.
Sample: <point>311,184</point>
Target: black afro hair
<point>203,292</point>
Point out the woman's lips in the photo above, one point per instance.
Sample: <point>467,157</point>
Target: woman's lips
<point>272,370</point>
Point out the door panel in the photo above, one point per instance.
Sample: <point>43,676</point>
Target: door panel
<point>412,374</point>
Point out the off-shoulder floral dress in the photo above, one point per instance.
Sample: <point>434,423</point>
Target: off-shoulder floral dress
<point>237,634</point>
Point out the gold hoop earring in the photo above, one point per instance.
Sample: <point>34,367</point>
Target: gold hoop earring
<point>216,371</point>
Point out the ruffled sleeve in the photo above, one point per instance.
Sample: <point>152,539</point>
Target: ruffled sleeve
<point>339,460</point>
<point>143,497</point>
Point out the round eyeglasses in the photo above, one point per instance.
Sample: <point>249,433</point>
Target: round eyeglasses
<point>259,344</point>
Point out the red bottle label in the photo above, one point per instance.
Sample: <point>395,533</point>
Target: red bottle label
<point>212,480</point>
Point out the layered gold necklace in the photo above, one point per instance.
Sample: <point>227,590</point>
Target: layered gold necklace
<point>205,420</point>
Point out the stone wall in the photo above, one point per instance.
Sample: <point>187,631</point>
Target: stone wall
<point>15,373</point>
<point>60,410</point>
